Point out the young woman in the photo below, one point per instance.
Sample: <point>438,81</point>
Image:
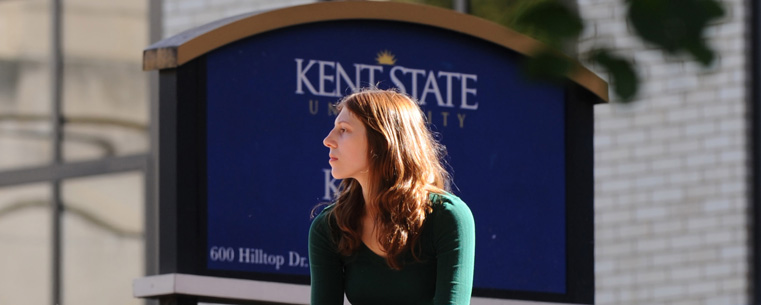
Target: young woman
<point>394,235</point>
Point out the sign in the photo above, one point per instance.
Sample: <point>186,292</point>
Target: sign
<point>268,101</point>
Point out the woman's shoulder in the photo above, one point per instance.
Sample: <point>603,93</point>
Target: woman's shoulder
<point>446,201</point>
<point>323,217</point>
<point>448,206</point>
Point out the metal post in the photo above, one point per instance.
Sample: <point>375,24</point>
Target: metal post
<point>754,151</point>
<point>56,121</point>
<point>461,6</point>
<point>151,229</point>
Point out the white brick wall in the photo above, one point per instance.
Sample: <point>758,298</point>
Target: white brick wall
<point>670,170</point>
<point>180,15</point>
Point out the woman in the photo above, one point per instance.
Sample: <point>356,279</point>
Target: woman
<point>393,235</point>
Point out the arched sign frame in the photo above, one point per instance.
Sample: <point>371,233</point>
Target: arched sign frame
<point>182,63</point>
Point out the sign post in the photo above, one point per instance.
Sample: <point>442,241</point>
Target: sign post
<point>245,103</point>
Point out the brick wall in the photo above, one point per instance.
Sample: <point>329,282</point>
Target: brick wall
<point>670,170</point>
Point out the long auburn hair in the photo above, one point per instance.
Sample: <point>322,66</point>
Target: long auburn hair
<point>405,167</point>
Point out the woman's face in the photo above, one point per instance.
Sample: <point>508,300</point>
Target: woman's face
<point>348,147</point>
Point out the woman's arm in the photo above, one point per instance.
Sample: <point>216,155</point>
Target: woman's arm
<point>325,264</point>
<point>456,248</point>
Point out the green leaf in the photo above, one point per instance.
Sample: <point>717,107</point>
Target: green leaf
<point>549,21</point>
<point>547,65</point>
<point>624,78</point>
<point>676,25</point>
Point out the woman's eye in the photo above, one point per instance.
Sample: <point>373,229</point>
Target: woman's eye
<point>342,130</point>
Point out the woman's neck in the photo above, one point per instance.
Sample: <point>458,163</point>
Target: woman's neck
<point>368,195</point>
<point>370,206</point>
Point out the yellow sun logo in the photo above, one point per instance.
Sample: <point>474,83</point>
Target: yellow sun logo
<point>385,58</point>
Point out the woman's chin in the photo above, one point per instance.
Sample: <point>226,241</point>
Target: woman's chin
<point>336,176</point>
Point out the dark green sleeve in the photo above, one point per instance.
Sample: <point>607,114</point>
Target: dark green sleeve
<point>325,265</point>
<point>455,237</point>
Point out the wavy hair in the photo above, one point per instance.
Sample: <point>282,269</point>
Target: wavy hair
<point>405,167</point>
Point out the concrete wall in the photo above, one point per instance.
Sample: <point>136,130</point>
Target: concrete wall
<point>105,102</point>
<point>180,15</point>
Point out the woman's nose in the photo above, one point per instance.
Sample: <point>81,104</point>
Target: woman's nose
<point>328,141</point>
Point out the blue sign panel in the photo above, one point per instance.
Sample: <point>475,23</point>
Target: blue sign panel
<point>268,106</point>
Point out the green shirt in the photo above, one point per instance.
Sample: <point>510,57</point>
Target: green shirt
<point>443,276</point>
